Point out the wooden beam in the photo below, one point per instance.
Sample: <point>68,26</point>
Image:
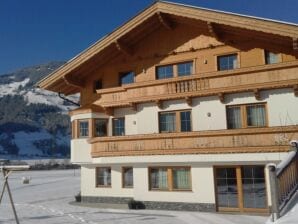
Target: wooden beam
<point>159,104</point>
<point>108,111</point>
<point>221,97</point>
<point>165,21</point>
<point>295,87</point>
<point>295,44</point>
<point>133,106</point>
<point>188,101</point>
<point>257,94</point>
<point>72,81</point>
<point>212,30</point>
<point>123,48</point>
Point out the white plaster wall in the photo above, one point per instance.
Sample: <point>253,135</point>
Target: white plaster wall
<point>80,151</point>
<point>88,183</point>
<point>202,186</point>
<point>204,105</point>
<point>282,107</point>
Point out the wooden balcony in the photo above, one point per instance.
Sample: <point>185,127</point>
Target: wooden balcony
<point>253,79</point>
<point>273,139</point>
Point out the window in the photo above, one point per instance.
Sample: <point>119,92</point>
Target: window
<point>185,121</point>
<point>227,62</point>
<point>127,78</point>
<point>175,121</point>
<point>103,176</point>
<point>83,128</point>
<point>164,72</point>
<point>118,126</point>
<point>243,116</point>
<point>167,122</point>
<point>271,58</point>
<point>97,85</point>
<point>127,177</point>
<point>170,178</point>
<point>100,127</point>
<point>184,69</point>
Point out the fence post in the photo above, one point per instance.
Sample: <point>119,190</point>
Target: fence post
<point>274,193</point>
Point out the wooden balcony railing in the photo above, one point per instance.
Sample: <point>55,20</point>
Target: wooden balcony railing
<point>287,179</point>
<point>273,139</point>
<point>203,84</point>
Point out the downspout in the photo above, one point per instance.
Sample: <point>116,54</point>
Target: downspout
<point>67,100</point>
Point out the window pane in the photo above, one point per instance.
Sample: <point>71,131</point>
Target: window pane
<point>127,78</point>
<point>234,117</point>
<point>226,184</point>
<point>185,121</point>
<point>159,178</point>
<point>118,126</point>
<point>104,176</point>
<point>185,69</point>
<point>100,127</point>
<point>254,189</point>
<point>227,62</point>
<point>167,122</point>
<point>84,128</point>
<point>270,57</point>
<point>256,115</point>
<point>164,72</point>
<point>181,178</point>
<point>128,177</point>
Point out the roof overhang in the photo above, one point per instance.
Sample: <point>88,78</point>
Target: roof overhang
<point>69,78</point>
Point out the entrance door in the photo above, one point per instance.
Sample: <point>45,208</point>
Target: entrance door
<point>241,188</point>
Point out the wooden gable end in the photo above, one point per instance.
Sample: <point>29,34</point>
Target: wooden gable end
<point>161,34</point>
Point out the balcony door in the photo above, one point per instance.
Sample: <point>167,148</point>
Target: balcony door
<point>241,189</point>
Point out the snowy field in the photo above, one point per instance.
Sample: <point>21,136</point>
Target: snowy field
<point>46,200</point>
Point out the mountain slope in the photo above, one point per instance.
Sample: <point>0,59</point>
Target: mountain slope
<point>33,122</point>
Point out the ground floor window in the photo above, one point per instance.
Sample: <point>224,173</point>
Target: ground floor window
<point>103,177</point>
<point>170,178</point>
<point>127,177</point>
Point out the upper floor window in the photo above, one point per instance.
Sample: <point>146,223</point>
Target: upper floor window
<point>97,84</point>
<point>127,177</point>
<point>227,62</point>
<point>243,116</point>
<point>100,127</point>
<point>170,178</point>
<point>176,121</point>
<point>271,58</point>
<point>127,78</point>
<point>164,72</point>
<point>103,177</point>
<point>184,69</point>
<point>118,126</point>
<point>83,128</point>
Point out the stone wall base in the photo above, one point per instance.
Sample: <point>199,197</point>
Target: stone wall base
<point>154,205</point>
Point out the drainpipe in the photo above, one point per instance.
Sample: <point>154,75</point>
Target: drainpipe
<point>67,100</point>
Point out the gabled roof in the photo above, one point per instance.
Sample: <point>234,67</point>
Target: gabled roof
<point>68,78</point>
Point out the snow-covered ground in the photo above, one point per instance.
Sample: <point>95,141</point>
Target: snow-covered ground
<point>46,200</point>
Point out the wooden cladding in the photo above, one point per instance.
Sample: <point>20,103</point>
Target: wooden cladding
<point>273,139</point>
<point>259,78</point>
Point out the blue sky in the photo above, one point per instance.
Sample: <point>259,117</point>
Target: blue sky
<point>38,31</point>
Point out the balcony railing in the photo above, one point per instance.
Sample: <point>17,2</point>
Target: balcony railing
<point>203,84</point>
<point>273,139</point>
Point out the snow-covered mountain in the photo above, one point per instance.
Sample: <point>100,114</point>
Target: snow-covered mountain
<point>33,122</point>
